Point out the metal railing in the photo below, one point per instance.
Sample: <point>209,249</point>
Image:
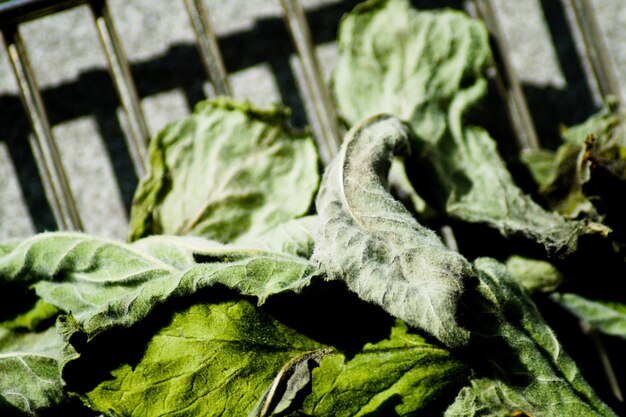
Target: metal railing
<point>47,155</point>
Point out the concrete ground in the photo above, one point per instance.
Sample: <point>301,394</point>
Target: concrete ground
<point>83,107</point>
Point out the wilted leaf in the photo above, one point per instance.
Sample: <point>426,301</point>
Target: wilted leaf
<point>608,317</point>
<point>589,168</point>
<point>534,374</point>
<point>105,283</point>
<point>486,398</point>
<point>412,68</point>
<point>210,360</point>
<point>397,376</point>
<point>372,242</point>
<point>427,68</point>
<point>288,384</point>
<point>295,237</point>
<point>30,379</point>
<point>227,171</point>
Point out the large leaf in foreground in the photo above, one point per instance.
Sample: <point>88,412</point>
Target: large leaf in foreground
<point>210,360</point>
<point>30,379</point>
<point>608,317</point>
<point>398,376</point>
<point>369,240</point>
<point>104,283</point>
<point>532,373</point>
<point>428,68</point>
<point>226,171</point>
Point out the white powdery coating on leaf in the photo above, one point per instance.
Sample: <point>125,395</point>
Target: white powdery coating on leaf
<point>369,240</point>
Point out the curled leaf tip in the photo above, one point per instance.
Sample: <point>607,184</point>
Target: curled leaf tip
<point>369,240</point>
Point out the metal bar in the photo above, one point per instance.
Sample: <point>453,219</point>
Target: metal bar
<point>508,82</point>
<point>47,154</point>
<point>597,52</point>
<point>208,47</point>
<point>138,133</point>
<point>324,111</point>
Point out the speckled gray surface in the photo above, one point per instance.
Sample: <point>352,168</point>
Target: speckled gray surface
<point>81,101</point>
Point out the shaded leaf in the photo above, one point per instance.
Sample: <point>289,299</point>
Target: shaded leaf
<point>589,168</point>
<point>228,170</point>
<point>532,372</point>
<point>402,374</point>
<point>210,360</point>
<point>608,317</point>
<point>561,184</point>
<point>534,274</point>
<point>30,320</point>
<point>105,284</point>
<point>427,68</point>
<point>370,241</point>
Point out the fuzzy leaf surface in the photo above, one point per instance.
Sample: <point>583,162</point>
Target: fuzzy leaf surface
<point>295,237</point>
<point>104,283</point>
<point>534,374</point>
<point>227,171</point>
<point>428,68</point>
<point>30,379</point>
<point>370,241</point>
<point>489,398</point>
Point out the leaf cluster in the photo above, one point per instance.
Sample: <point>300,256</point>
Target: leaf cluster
<point>254,285</point>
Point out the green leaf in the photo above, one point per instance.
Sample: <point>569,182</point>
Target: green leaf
<point>607,123</point>
<point>397,376</point>
<point>33,318</point>
<point>210,360</point>
<point>412,69</point>
<point>534,274</point>
<point>533,371</point>
<point>30,379</point>
<point>227,171</point>
<point>427,68</point>
<point>608,317</point>
<point>589,168</point>
<point>481,190</point>
<point>560,182</point>
<point>486,398</point>
<point>105,284</point>
<point>295,237</point>
<point>370,241</point>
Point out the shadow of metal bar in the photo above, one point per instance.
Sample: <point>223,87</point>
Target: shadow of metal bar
<point>44,147</point>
